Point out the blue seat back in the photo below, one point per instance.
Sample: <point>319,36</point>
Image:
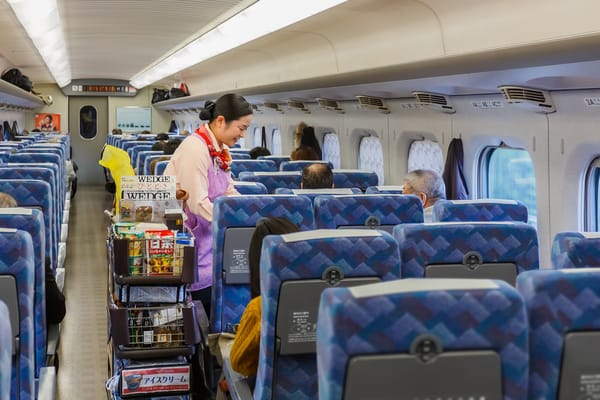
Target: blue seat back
<point>298,165</point>
<point>367,210</point>
<point>160,167</point>
<point>34,193</point>
<point>276,159</point>
<point>32,222</point>
<point>576,250</point>
<point>249,187</point>
<point>142,156</point>
<point>233,215</point>
<point>6,348</point>
<point>354,178</point>
<point>17,259</point>
<point>37,158</point>
<point>148,161</point>
<point>135,151</point>
<point>10,171</point>
<point>307,258</point>
<point>424,245</point>
<point>236,155</point>
<point>559,303</point>
<point>479,210</point>
<point>312,194</point>
<point>389,318</point>
<point>238,166</point>
<point>273,180</point>
<point>385,189</point>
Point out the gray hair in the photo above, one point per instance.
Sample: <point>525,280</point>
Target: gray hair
<point>428,182</point>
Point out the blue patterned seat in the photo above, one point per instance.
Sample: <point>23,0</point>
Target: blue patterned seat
<point>32,222</point>
<point>236,155</point>
<point>479,210</point>
<point>385,189</point>
<point>238,166</point>
<point>17,261</point>
<point>298,165</point>
<point>276,159</point>
<point>160,167</point>
<point>34,193</point>
<point>376,211</point>
<point>273,180</point>
<point>6,348</point>
<point>148,161</point>
<point>234,219</point>
<point>576,250</point>
<point>127,146</point>
<point>380,328</point>
<point>564,324</point>
<point>295,268</point>
<point>142,160</point>
<point>249,187</point>
<point>354,178</point>
<point>498,250</point>
<point>135,151</point>
<point>37,158</point>
<point>10,171</point>
<point>312,194</point>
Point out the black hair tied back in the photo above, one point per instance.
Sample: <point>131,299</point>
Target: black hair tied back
<point>207,113</point>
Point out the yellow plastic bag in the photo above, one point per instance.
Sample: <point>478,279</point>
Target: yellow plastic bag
<point>118,163</point>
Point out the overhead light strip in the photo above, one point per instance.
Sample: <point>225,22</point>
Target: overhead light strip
<point>259,19</point>
<point>42,23</point>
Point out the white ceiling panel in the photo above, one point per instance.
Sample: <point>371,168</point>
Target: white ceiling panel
<point>110,38</point>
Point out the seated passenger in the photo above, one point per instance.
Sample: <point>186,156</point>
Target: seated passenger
<point>245,348</point>
<point>428,186</point>
<point>168,149</point>
<point>310,140</point>
<point>55,300</point>
<point>258,152</point>
<point>317,176</point>
<point>304,153</point>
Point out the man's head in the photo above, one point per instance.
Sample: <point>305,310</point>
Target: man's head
<point>317,176</point>
<point>7,201</point>
<point>426,184</point>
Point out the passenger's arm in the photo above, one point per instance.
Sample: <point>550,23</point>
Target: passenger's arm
<point>245,348</point>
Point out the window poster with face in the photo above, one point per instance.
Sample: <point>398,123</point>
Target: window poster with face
<point>47,122</point>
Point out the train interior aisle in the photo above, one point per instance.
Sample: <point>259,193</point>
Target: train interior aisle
<point>82,351</point>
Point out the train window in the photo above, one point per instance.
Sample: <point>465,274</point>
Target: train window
<point>592,197</point>
<point>257,136</point>
<point>88,122</point>
<point>425,154</point>
<point>331,149</point>
<point>370,156</point>
<point>507,173</point>
<point>276,142</point>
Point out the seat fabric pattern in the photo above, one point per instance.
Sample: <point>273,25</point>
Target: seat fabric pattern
<point>575,250</point>
<point>250,187</point>
<point>5,353</point>
<point>557,302</point>
<point>307,259</point>
<point>447,243</point>
<point>460,319</point>
<point>229,301</point>
<point>273,181</point>
<point>354,179</point>
<point>479,210</point>
<point>332,212</point>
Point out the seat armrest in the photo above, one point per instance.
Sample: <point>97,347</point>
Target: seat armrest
<point>46,389</point>
<point>238,385</point>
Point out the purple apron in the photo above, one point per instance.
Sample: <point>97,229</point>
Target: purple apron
<point>218,181</point>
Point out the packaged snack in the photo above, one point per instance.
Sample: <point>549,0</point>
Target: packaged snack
<point>126,211</point>
<point>159,251</point>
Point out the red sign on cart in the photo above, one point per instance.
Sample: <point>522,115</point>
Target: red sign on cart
<point>155,380</point>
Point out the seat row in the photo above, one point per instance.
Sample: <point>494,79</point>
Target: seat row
<point>321,333</point>
<point>34,173</point>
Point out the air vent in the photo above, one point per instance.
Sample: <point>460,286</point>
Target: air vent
<point>535,99</point>
<point>298,105</point>
<point>256,109</point>
<point>329,104</point>
<point>436,101</point>
<point>272,106</point>
<point>373,103</point>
